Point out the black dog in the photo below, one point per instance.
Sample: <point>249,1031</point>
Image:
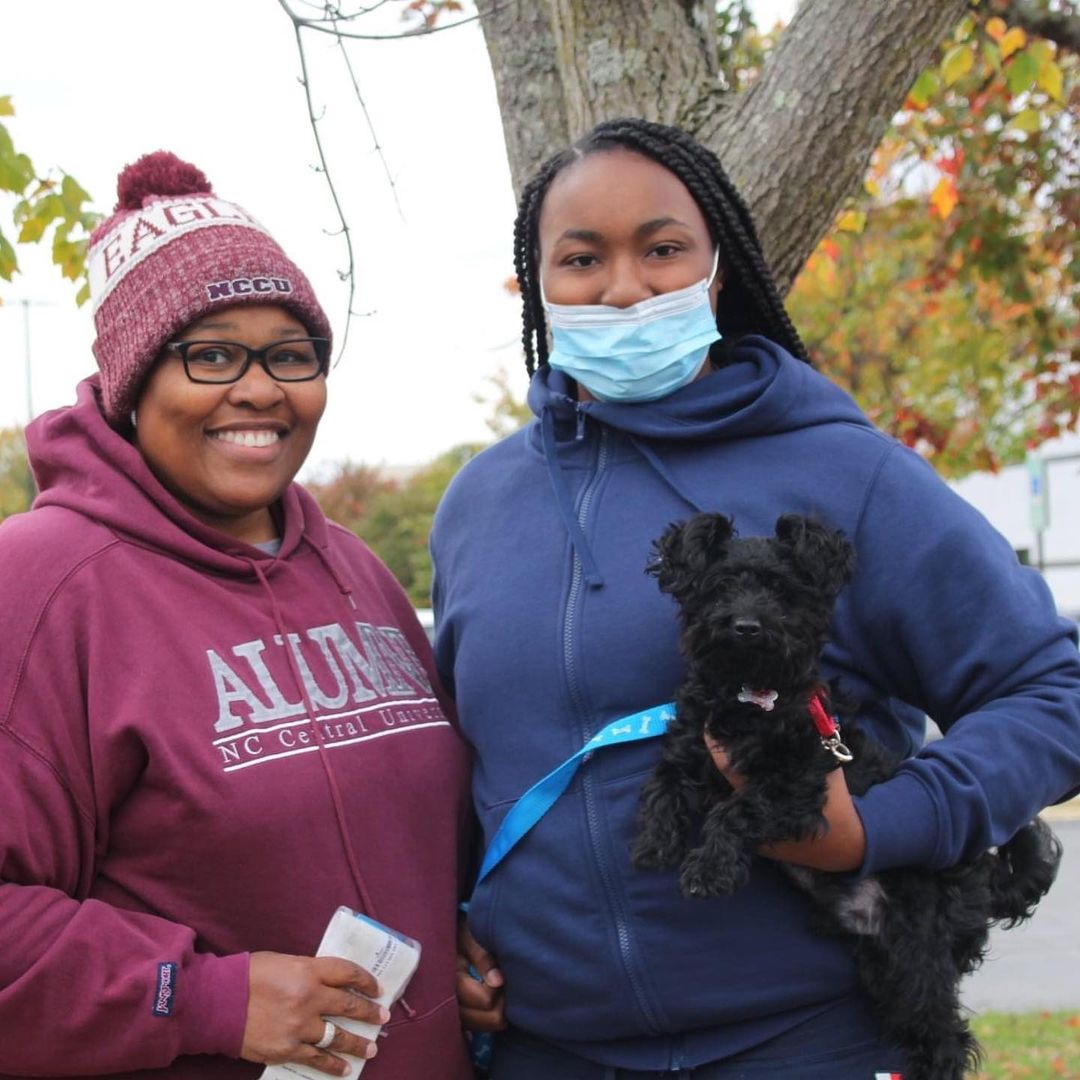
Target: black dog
<point>755,614</point>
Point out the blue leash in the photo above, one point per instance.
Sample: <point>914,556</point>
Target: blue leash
<point>542,796</point>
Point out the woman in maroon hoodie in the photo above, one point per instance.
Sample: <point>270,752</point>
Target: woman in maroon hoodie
<point>219,719</point>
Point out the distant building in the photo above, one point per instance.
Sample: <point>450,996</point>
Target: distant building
<point>1005,499</point>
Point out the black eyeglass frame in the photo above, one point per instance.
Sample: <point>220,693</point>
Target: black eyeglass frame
<point>320,344</point>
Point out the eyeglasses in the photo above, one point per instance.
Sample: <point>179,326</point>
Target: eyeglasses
<point>295,360</point>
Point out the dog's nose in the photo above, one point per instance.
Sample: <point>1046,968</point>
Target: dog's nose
<point>747,629</point>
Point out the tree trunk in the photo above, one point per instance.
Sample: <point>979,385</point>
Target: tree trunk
<point>561,66</point>
<point>797,144</point>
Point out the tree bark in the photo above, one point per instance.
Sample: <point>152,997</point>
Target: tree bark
<point>561,66</point>
<point>797,144</point>
<point>800,140</point>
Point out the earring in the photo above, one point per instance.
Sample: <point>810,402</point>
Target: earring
<point>133,418</point>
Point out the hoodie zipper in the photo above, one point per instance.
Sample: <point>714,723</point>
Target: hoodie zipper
<point>588,787</point>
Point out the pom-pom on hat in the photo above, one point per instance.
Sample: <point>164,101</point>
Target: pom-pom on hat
<point>171,253</point>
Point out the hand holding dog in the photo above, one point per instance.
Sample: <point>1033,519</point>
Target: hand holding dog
<point>843,844</point>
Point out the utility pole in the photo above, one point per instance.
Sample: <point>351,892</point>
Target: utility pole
<point>28,372</point>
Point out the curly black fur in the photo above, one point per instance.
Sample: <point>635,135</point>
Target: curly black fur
<point>755,614</point>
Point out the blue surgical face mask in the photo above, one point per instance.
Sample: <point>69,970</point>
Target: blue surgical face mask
<point>637,353</point>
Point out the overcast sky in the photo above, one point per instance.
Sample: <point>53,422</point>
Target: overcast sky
<point>95,85</point>
<point>217,84</point>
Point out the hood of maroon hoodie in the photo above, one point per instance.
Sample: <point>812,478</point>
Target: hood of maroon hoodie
<point>81,463</point>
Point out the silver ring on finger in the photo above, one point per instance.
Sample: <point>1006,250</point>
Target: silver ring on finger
<point>328,1036</point>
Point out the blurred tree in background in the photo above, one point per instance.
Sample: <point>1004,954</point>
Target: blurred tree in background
<point>393,517</point>
<point>946,297</point>
<point>16,484</point>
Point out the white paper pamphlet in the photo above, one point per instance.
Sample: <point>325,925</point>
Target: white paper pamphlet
<point>389,956</point>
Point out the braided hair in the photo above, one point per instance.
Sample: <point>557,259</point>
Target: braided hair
<point>749,303</point>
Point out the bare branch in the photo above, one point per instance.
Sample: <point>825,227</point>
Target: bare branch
<point>332,12</point>
<point>421,31</point>
<point>350,273</point>
<point>370,124</point>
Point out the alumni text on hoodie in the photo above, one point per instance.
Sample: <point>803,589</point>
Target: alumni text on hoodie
<point>548,629</point>
<point>204,750</point>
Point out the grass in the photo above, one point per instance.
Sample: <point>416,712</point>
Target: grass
<point>1029,1046</point>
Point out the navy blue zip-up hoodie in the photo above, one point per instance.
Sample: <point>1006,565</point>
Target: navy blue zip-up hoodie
<point>548,629</point>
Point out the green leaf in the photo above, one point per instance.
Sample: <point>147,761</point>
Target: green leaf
<point>83,294</point>
<point>1022,72</point>
<point>32,231</point>
<point>1028,121</point>
<point>73,195</point>
<point>1041,52</point>
<point>16,170</point>
<point>8,263</point>
<point>6,108</point>
<point>926,86</point>
<point>69,255</point>
<point>957,63</point>
<point>964,29</point>
<point>37,217</point>
<point>1052,81</point>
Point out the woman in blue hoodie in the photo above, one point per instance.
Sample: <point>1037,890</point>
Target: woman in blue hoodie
<point>667,379</point>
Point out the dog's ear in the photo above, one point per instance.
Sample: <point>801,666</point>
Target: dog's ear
<point>687,548</point>
<point>824,555</point>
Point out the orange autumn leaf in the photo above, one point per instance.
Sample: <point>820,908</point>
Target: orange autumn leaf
<point>996,28</point>
<point>1010,42</point>
<point>944,197</point>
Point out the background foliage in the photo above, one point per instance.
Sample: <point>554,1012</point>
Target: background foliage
<point>946,297</point>
<point>50,207</point>
<point>16,483</point>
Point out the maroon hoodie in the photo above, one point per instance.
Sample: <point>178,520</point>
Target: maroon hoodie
<point>204,750</point>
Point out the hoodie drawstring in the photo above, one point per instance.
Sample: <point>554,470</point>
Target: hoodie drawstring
<point>335,792</point>
<point>661,470</point>
<point>565,503</point>
<point>328,565</point>
<point>566,507</point>
<point>331,779</point>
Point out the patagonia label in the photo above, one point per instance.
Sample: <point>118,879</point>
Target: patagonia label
<point>165,990</point>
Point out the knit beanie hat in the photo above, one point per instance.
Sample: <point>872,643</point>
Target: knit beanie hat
<point>172,252</point>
